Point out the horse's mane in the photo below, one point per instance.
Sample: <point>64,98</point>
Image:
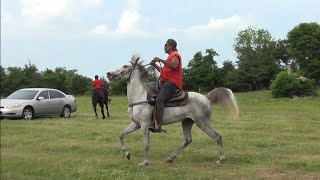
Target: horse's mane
<point>143,71</point>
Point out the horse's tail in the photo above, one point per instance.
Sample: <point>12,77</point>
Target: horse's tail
<point>225,97</point>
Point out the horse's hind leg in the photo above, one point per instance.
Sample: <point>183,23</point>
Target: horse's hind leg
<point>186,126</point>
<point>102,111</point>
<point>205,126</point>
<point>107,109</point>
<point>95,110</point>
<point>131,128</point>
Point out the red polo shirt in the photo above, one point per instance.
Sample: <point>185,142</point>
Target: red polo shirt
<point>97,84</point>
<point>173,75</point>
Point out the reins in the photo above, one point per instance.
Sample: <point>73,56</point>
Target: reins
<point>137,103</point>
<point>132,69</point>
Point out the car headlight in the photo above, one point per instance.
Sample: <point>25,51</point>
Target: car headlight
<point>13,106</point>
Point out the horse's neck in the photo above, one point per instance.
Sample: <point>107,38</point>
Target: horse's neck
<point>135,89</point>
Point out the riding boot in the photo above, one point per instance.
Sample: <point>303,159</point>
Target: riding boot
<point>154,126</point>
<point>157,126</point>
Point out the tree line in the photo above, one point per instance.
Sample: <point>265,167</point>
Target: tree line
<point>259,59</point>
<point>68,81</point>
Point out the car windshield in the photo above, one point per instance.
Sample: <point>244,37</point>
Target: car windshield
<point>23,94</point>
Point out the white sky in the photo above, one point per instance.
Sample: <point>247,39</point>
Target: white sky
<point>94,36</point>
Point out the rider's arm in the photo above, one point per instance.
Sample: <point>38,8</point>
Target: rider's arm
<point>173,64</point>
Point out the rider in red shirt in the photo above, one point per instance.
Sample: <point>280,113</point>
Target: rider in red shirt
<point>98,90</point>
<point>97,83</point>
<point>171,78</point>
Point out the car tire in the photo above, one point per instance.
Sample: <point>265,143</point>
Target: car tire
<point>66,112</point>
<point>27,113</point>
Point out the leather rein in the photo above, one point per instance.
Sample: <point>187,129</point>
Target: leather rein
<point>131,70</point>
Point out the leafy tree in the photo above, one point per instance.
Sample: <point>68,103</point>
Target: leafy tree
<point>227,68</point>
<point>118,87</point>
<point>31,76</point>
<point>201,72</point>
<point>13,80</point>
<point>62,79</point>
<point>3,77</point>
<point>80,85</point>
<point>304,42</point>
<point>257,66</point>
<point>282,52</point>
<point>153,74</point>
<point>68,81</point>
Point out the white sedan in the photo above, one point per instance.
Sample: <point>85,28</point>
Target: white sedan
<point>34,102</point>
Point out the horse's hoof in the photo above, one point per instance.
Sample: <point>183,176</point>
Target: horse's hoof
<point>170,160</point>
<point>221,160</point>
<point>144,163</point>
<point>104,117</point>
<point>96,117</point>
<point>128,155</point>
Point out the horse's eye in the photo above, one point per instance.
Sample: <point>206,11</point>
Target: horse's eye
<point>122,72</point>
<point>125,66</point>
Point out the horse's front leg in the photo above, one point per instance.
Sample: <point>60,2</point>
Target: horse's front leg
<point>131,128</point>
<point>146,138</point>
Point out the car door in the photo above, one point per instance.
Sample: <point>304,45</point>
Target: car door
<point>56,99</point>
<point>43,105</point>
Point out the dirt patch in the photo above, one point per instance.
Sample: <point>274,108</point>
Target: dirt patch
<point>278,174</point>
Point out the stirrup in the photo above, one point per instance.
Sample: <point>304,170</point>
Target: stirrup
<point>154,130</point>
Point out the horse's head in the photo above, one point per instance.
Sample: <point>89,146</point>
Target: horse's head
<point>125,71</point>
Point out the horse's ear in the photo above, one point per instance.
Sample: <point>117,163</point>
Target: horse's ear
<point>135,58</point>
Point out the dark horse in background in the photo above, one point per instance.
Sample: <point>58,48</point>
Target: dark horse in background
<point>100,96</point>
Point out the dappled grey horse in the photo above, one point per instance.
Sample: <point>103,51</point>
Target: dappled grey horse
<point>198,111</point>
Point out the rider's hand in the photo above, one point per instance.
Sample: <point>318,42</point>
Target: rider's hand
<point>156,59</point>
<point>152,63</point>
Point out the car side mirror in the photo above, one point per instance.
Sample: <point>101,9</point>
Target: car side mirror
<point>40,98</point>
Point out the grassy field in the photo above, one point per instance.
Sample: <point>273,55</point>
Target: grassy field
<point>275,139</point>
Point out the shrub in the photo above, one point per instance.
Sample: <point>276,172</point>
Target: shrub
<point>290,85</point>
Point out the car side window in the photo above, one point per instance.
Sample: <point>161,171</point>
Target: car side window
<point>44,94</point>
<point>55,94</point>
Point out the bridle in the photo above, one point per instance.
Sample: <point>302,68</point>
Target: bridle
<point>134,68</point>
<point>130,70</point>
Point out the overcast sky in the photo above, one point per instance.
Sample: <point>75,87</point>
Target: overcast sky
<point>94,36</point>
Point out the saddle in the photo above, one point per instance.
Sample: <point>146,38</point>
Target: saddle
<point>178,98</point>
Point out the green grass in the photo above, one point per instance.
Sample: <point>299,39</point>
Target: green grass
<point>275,139</point>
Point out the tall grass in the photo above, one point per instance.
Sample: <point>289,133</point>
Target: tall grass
<point>275,139</point>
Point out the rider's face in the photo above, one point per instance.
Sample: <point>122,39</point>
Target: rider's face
<point>167,48</point>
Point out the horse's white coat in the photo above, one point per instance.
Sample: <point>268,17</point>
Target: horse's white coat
<point>198,110</point>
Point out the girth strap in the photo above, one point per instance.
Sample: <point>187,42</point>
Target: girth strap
<point>137,103</point>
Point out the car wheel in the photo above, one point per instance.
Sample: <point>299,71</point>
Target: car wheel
<point>27,113</point>
<point>66,112</point>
